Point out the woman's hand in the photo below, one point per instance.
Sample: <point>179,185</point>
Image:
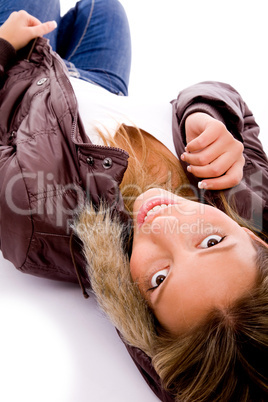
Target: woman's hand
<point>20,28</point>
<point>212,152</point>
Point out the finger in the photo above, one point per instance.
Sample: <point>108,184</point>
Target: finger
<point>232,178</point>
<point>206,155</point>
<point>43,29</point>
<point>25,18</point>
<point>223,145</point>
<point>214,169</point>
<point>33,21</point>
<point>209,135</point>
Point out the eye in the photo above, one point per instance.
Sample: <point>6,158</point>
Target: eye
<point>159,278</point>
<point>211,241</point>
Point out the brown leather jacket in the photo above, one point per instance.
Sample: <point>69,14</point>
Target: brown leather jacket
<point>48,166</point>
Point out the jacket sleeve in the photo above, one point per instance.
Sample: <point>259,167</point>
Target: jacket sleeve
<point>7,56</point>
<point>224,103</point>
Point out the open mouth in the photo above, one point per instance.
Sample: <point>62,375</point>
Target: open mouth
<point>152,207</point>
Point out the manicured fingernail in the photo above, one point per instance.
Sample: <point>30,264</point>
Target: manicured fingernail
<point>54,24</point>
<point>182,157</point>
<point>202,184</point>
<point>189,168</point>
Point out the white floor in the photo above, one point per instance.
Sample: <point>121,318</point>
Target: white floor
<point>54,345</point>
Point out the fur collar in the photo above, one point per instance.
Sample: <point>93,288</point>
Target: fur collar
<point>109,273</point>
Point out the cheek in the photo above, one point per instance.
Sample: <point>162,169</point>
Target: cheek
<point>135,262</point>
<point>140,261</point>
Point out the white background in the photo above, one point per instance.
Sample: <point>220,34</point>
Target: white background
<point>54,345</point>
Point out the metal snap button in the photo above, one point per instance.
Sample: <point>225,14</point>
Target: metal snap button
<point>12,134</point>
<point>41,81</point>
<point>107,163</point>
<point>90,161</point>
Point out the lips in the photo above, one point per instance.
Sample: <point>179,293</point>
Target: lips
<point>152,207</point>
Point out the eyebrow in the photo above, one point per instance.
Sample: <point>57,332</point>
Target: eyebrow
<point>209,250</point>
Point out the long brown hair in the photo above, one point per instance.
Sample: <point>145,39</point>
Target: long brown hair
<point>222,359</point>
<point>225,358</point>
<point>150,164</point>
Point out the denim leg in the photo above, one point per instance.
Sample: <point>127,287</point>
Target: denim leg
<point>44,10</point>
<point>94,39</point>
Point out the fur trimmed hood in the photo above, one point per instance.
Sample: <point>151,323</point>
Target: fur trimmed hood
<point>109,273</point>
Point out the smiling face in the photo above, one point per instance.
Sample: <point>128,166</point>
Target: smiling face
<point>188,258</point>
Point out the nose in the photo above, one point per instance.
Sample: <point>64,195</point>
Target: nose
<point>165,231</point>
<point>175,228</point>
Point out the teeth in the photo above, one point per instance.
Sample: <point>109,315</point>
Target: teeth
<point>150,212</point>
<point>156,208</point>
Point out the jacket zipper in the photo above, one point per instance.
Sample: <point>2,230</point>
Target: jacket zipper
<point>104,147</point>
<point>74,128</point>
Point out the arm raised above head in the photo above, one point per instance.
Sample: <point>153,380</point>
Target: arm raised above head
<point>218,103</point>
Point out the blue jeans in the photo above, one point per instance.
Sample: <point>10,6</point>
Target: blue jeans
<point>93,38</point>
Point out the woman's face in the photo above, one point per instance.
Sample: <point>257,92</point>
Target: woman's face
<point>188,258</point>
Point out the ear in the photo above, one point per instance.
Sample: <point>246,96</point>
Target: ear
<point>255,237</point>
